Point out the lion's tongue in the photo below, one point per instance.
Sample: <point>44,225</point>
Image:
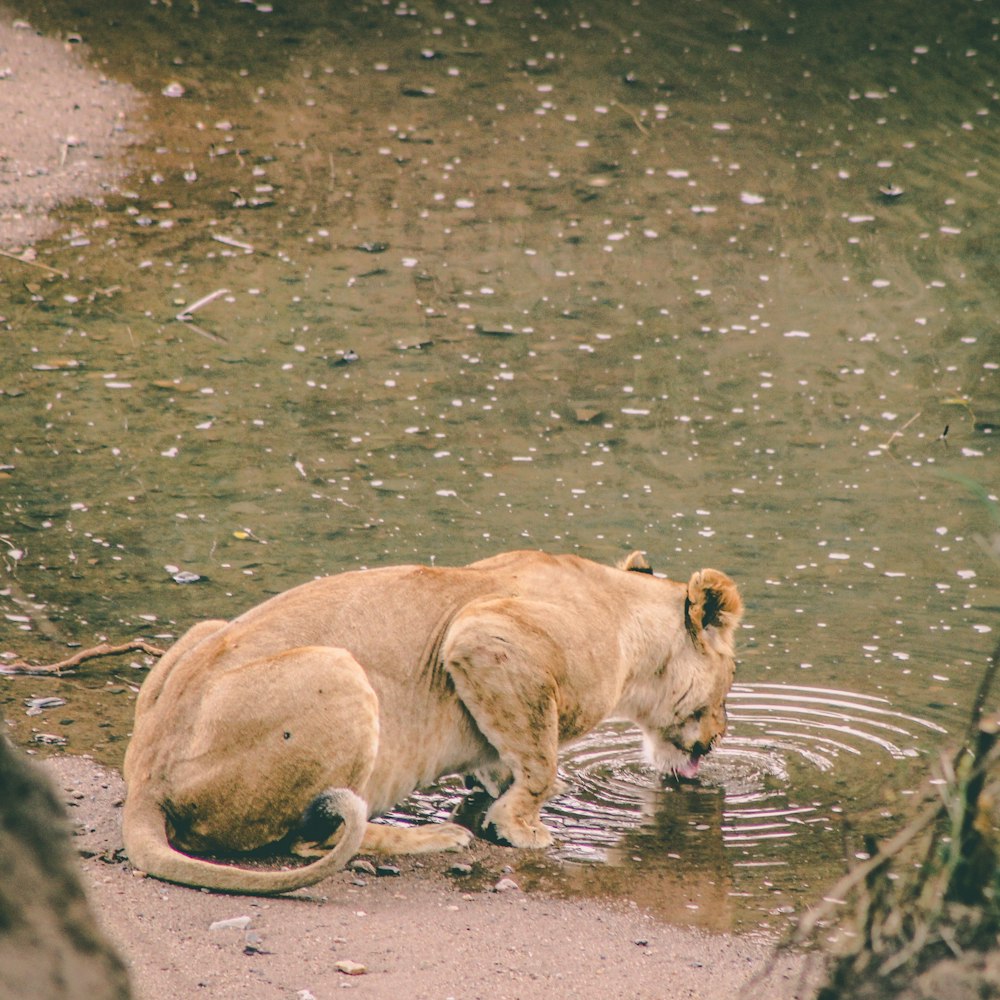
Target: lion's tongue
<point>689,769</point>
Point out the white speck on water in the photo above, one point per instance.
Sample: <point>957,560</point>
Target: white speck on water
<point>721,126</point>
<point>446,493</point>
<point>982,629</point>
<point>802,334</point>
<point>464,203</point>
<point>966,574</point>
<point>839,555</point>
<point>751,199</point>
<point>678,175</point>
<point>881,283</point>
<point>861,218</point>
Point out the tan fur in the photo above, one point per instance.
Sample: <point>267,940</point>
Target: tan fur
<point>340,697</point>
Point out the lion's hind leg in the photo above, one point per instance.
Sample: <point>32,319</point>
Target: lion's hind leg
<point>423,839</point>
<point>267,740</point>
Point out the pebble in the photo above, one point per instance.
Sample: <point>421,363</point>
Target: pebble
<point>390,871</point>
<point>349,968</point>
<point>460,868</point>
<point>233,923</point>
<point>506,885</point>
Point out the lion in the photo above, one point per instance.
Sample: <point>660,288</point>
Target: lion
<point>293,725</point>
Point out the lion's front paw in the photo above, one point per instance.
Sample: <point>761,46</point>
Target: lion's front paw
<point>518,831</point>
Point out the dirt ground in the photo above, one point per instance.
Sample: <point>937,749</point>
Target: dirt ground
<point>63,134</point>
<point>422,933</point>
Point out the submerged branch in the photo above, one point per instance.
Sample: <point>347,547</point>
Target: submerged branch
<point>21,667</point>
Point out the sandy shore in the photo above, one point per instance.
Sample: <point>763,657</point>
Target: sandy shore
<point>424,933</point>
<point>64,130</point>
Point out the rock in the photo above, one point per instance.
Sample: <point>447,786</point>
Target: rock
<point>506,885</point>
<point>50,945</point>
<point>233,923</point>
<point>390,871</point>
<point>349,968</point>
<point>460,869</point>
<point>253,944</point>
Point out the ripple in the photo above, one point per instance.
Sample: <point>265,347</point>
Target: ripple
<point>778,735</point>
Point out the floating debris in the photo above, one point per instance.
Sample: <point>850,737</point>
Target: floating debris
<point>246,535</point>
<point>185,315</point>
<point>174,89</point>
<point>891,191</point>
<point>372,247</point>
<point>347,358</point>
<point>38,705</point>
<point>230,242</point>
<point>185,576</point>
<point>49,739</point>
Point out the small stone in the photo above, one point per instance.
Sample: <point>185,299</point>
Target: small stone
<point>506,885</point>
<point>233,923</point>
<point>349,968</point>
<point>460,869</point>
<point>253,944</point>
<point>387,871</point>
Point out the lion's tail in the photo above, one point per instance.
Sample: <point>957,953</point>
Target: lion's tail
<point>149,850</point>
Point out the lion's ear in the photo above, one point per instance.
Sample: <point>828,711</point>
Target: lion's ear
<point>713,609</point>
<point>635,562</point>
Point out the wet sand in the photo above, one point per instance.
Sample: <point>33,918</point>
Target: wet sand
<point>422,933</point>
<point>64,130</point>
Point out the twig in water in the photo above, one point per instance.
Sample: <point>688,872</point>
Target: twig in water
<point>33,263</point>
<point>185,314</point>
<point>635,118</point>
<point>102,649</point>
<point>200,329</point>
<point>899,433</point>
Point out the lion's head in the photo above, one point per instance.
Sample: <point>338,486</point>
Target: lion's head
<point>689,714</point>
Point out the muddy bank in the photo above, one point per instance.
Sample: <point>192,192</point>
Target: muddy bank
<point>424,933</point>
<point>64,129</point>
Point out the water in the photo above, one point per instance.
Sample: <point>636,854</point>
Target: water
<point>485,276</point>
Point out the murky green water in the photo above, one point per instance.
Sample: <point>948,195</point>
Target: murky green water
<point>615,276</point>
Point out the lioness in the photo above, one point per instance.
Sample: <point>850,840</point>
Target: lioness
<point>324,706</point>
